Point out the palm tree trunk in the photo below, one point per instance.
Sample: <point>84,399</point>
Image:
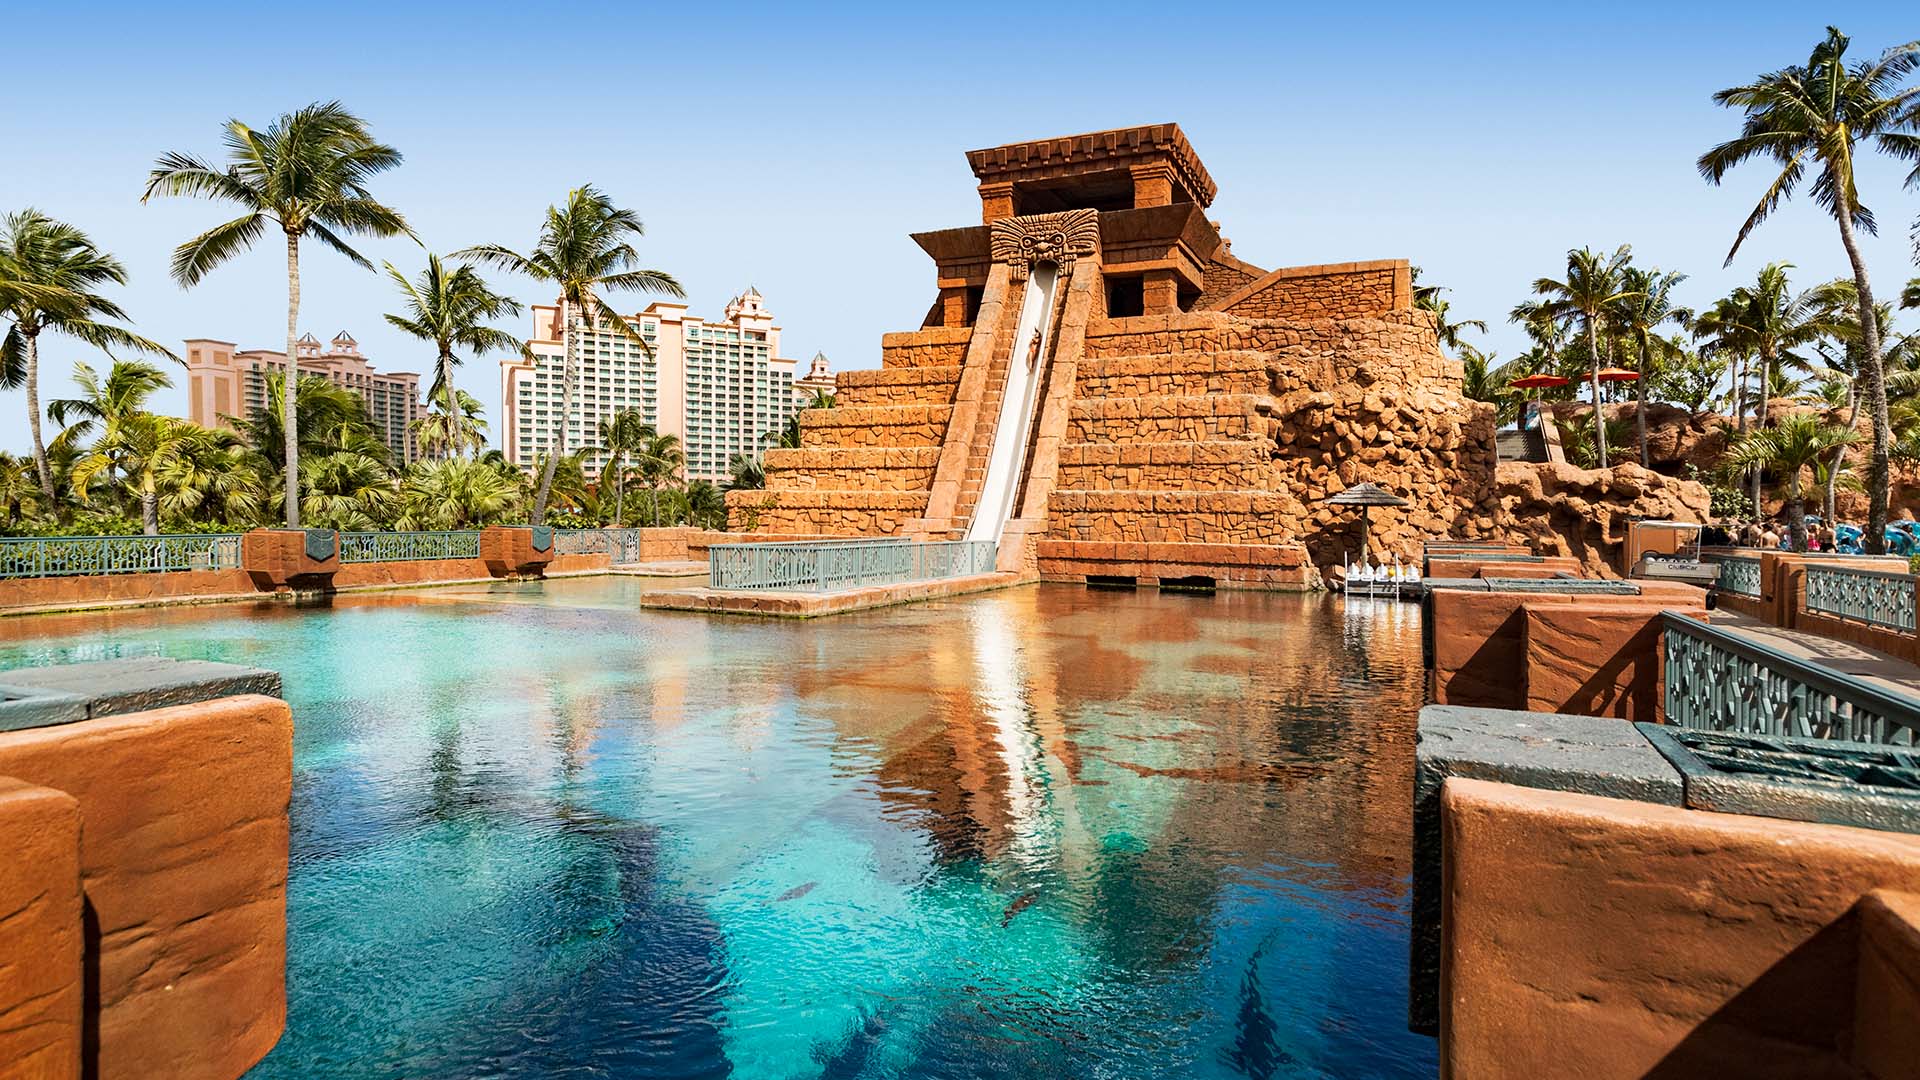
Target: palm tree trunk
<point>619,494</point>
<point>289,397</point>
<point>1839,459</point>
<point>40,466</point>
<point>566,411</point>
<point>1796,514</point>
<point>452,410</point>
<point>1880,461</point>
<point>1640,402</point>
<point>1760,421</point>
<point>1599,417</point>
<point>149,512</point>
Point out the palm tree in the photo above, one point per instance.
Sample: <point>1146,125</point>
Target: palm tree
<point>1773,321</point>
<point>1649,305</point>
<point>448,309</point>
<point>329,419</point>
<point>585,251</point>
<point>1800,440</point>
<point>213,479</point>
<point>348,491</point>
<point>706,507</point>
<point>1835,396</point>
<point>108,404</point>
<point>625,432</point>
<point>1483,380</point>
<point>307,173</point>
<point>745,473</point>
<point>48,274</point>
<point>19,490</point>
<point>142,447</point>
<point>660,461</point>
<point>1427,298</point>
<point>456,428</point>
<point>1910,296</point>
<point>458,493</point>
<point>1593,286</point>
<point>1817,115</point>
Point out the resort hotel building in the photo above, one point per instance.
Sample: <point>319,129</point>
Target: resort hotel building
<point>719,386</point>
<point>225,385</point>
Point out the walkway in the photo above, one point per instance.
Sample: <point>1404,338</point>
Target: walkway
<point>1872,665</point>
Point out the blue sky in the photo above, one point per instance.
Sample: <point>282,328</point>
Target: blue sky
<point>795,149</point>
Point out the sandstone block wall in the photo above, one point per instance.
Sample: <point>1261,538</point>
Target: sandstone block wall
<point>183,861</point>
<point>1607,938</point>
<point>40,939</point>
<point>1331,291</point>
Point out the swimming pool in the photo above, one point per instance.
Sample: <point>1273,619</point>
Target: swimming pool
<point>1039,832</point>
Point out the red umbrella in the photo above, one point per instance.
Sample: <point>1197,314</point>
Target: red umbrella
<point>1614,374</point>
<point>1529,382</point>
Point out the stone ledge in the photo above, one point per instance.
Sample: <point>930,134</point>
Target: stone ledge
<point>39,697</point>
<point>800,605</point>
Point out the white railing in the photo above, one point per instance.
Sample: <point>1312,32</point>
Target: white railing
<point>823,566</point>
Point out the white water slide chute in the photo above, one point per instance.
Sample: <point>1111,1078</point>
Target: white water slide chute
<point>1025,364</point>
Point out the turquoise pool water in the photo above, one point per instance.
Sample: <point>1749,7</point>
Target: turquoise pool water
<point>1040,832</point>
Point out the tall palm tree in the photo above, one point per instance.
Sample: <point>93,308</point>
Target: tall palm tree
<point>660,461</point>
<point>1799,441</point>
<point>49,272</point>
<point>1910,296</point>
<point>1817,114</point>
<point>585,251</point>
<point>307,173</point>
<point>1773,321</point>
<point>1647,306</point>
<point>449,309</point>
<point>1724,332</point>
<point>624,433</point>
<point>1593,285</point>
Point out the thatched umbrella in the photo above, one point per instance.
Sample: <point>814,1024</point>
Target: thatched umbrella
<point>1365,496</point>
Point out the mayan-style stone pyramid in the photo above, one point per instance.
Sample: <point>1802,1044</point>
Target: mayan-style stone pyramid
<point>1106,389</point>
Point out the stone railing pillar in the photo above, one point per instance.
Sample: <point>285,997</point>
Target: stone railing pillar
<point>516,551</point>
<point>290,560</point>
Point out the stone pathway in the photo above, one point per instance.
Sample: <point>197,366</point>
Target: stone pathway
<point>1844,656</point>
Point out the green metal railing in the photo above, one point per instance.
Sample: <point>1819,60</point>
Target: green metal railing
<point>63,556</point>
<point>1740,576</point>
<point>1722,681</point>
<point>826,565</point>
<point>357,547</point>
<point>1874,597</point>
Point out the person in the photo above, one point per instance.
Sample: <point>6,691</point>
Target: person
<point>1769,539</point>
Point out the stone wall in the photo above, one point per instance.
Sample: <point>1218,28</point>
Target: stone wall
<point>934,346</point>
<point>1332,291</point>
<point>1557,509</point>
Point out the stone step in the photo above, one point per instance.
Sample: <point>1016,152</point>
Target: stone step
<point>1193,517</point>
<point>1239,371</point>
<point>933,346</point>
<point>875,425</point>
<point>1171,419</point>
<point>898,386</point>
<point>1245,465</point>
<point>826,512</point>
